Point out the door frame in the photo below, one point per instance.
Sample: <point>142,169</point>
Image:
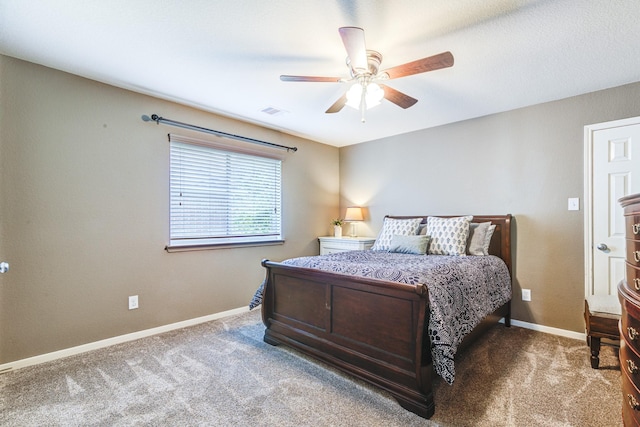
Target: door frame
<point>588,192</point>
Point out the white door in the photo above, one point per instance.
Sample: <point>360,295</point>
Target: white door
<point>612,156</point>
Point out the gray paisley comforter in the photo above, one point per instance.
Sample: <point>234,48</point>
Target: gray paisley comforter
<point>462,290</point>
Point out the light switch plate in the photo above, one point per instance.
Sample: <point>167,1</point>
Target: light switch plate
<point>574,204</point>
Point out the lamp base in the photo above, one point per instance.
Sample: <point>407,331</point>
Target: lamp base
<point>353,230</point>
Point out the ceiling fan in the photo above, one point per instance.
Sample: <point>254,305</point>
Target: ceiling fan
<point>364,66</point>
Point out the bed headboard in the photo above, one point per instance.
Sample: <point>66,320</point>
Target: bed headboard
<point>500,241</point>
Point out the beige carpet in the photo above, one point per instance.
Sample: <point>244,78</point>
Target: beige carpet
<point>222,373</point>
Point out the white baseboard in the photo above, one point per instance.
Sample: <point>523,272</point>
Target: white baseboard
<point>47,357</point>
<point>548,329</point>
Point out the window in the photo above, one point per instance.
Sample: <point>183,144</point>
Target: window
<point>221,195</point>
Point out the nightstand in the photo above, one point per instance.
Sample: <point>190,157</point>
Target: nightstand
<point>330,245</point>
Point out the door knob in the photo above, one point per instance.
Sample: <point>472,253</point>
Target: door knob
<point>4,267</point>
<point>602,247</point>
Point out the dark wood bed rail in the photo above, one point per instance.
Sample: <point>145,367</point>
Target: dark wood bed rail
<point>372,329</point>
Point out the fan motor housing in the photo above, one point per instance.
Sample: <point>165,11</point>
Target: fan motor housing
<point>374,59</point>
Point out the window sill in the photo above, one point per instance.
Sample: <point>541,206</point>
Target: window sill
<point>211,246</point>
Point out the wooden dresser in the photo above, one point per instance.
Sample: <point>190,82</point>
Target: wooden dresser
<point>629,294</point>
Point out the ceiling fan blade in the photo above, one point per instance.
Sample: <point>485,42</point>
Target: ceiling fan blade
<point>286,78</point>
<point>435,62</point>
<point>353,40</point>
<point>397,97</point>
<point>337,106</point>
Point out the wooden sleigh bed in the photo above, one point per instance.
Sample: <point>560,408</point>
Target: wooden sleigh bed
<point>373,329</point>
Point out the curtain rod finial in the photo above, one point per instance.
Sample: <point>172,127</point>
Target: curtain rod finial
<point>153,117</point>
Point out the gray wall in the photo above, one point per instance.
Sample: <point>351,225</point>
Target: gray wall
<point>526,162</point>
<point>84,204</point>
<point>84,214</point>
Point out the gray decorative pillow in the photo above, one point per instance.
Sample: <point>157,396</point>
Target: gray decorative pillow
<point>448,235</point>
<point>422,228</point>
<point>477,234</point>
<point>392,227</point>
<point>410,244</point>
<point>487,238</point>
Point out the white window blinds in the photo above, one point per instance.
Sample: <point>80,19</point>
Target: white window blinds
<point>219,196</point>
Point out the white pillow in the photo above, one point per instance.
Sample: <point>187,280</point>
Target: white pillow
<point>392,227</point>
<point>448,235</point>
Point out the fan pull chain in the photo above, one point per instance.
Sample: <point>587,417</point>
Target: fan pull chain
<point>363,101</point>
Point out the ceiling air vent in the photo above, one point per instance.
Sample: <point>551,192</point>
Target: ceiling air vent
<point>273,111</point>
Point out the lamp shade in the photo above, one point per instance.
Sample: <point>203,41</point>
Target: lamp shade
<point>354,214</point>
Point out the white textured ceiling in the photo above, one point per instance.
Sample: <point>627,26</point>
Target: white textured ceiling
<point>226,56</point>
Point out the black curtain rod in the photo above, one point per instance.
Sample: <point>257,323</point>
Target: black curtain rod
<point>159,120</point>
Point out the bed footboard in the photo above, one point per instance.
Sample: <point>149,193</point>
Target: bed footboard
<point>372,329</point>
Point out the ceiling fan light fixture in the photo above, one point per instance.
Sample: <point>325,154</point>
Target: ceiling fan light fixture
<point>372,97</point>
<point>353,96</point>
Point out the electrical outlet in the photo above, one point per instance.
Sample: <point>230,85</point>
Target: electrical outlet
<point>526,295</point>
<point>133,302</point>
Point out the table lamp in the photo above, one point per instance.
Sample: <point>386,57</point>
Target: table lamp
<point>353,214</point>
